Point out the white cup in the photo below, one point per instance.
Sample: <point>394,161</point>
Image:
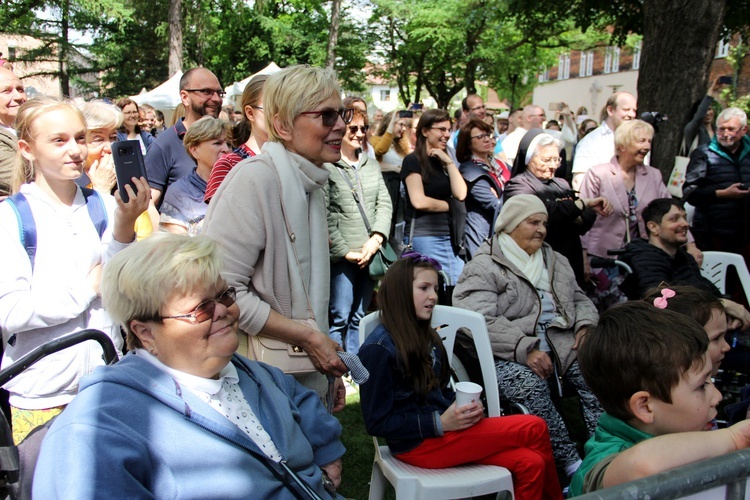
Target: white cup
<point>467,393</point>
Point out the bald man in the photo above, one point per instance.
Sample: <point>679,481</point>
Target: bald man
<point>12,95</point>
<point>167,160</point>
<point>532,116</point>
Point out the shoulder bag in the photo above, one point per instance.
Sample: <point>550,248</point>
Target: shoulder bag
<point>385,256</point>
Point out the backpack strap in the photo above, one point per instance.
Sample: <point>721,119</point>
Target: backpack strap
<point>97,210</point>
<point>26,224</point>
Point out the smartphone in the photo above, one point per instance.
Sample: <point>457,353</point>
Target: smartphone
<point>417,107</point>
<point>725,80</point>
<point>128,163</point>
<point>556,106</point>
<point>405,113</point>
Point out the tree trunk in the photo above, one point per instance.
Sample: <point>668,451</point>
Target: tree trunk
<point>333,36</point>
<point>675,62</point>
<point>175,37</point>
<point>64,51</point>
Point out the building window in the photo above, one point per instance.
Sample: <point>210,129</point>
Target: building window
<point>12,54</point>
<point>612,60</point>
<point>587,63</point>
<point>722,48</point>
<point>543,75</point>
<point>385,95</point>
<point>563,67</point>
<point>637,55</point>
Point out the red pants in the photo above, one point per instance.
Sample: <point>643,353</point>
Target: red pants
<point>520,443</point>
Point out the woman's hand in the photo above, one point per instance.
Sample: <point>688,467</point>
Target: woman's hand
<point>322,351</point>
<point>102,174</point>
<point>369,249</point>
<point>540,363</point>
<point>457,419</point>
<point>127,213</point>
<point>333,471</point>
<point>441,155</point>
<point>600,205</point>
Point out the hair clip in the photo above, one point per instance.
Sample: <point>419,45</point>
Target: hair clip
<point>417,257</point>
<point>661,302</point>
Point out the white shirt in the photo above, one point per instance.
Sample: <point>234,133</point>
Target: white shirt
<point>225,396</point>
<point>596,148</point>
<point>510,143</point>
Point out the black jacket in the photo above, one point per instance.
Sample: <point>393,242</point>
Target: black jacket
<point>652,265</point>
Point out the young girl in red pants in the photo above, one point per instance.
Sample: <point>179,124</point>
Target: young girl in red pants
<point>408,402</point>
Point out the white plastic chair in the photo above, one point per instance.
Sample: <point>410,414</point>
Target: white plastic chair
<point>412,482</point>
<point>715,266</point>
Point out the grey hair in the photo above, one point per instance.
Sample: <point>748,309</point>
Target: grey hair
<point>546,140</point>
<point>730,113</point>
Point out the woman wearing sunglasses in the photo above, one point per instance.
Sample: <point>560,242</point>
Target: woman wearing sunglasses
<point>355,182</point>
<point>181,415</point>
<point>485,177</point>
<point>431,179</point>
<point>270,215</point>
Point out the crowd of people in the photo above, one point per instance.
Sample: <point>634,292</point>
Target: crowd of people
<point>256,228</point>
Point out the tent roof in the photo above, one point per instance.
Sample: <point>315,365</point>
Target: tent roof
<point>238,87</point>
<point>165,97</point>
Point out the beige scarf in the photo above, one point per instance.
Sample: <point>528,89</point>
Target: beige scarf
<point>532,266</point>
<point>305,213</point>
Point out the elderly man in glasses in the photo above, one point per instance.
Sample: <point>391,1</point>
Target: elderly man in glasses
<point>167,160</point>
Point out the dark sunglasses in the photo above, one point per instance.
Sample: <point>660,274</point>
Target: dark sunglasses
<point>205,310</point>
<point>331,116</point>
<point>362,128</point>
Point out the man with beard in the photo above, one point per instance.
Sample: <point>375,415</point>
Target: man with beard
<point>717,183</point>
<point>167,160</point>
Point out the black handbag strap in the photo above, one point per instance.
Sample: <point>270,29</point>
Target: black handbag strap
<point>355,194</point>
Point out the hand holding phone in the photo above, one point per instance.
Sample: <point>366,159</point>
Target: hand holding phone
<point>128,164</point>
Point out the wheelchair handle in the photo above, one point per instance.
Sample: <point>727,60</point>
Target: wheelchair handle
<point>53,346</point>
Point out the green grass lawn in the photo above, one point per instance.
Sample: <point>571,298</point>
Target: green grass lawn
<point>359,452</point>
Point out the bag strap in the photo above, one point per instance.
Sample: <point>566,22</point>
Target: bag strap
<point>26,224</point>
<point>97,210</point>
<point>355,194</point>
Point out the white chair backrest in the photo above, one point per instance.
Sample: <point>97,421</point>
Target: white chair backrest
<point>450,319</point>
<point>715,266</point>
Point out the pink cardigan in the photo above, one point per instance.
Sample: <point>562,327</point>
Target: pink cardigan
<point>608,233</point>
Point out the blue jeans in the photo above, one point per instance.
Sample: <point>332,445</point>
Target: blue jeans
<point>441,249</point>
<point>351,291</point>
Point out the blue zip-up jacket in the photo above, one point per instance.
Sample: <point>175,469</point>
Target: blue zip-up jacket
<point>712,168</point>
<point>134,432</point>
<point>391,408</point>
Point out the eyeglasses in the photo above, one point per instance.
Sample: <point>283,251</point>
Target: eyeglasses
<point>481,137</point>
<point>731,130</point>
<point>205,310</point>
<point>208,92</point>
<point>362,128</point>
<point>331,116</point>
<point>442,130</point>
<point>547,161</point>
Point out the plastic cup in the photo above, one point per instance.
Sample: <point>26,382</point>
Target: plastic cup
<point>467,393</point>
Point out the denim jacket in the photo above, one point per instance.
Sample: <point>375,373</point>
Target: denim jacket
<point>389,404</point>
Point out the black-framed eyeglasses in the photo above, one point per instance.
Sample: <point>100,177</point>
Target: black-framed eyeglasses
<point>205,310</point>
<point>481,137</point>
<point>362,128</point>
<point>208,92</point>
<point>331,116</point>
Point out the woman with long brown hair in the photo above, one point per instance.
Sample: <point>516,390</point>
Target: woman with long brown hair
<point>431,179</point>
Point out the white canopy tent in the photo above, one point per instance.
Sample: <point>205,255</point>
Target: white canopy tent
<point>234,91</point>
<point>165,97</point>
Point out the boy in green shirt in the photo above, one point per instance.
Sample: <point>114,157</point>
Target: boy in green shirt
<point>650,369</point>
